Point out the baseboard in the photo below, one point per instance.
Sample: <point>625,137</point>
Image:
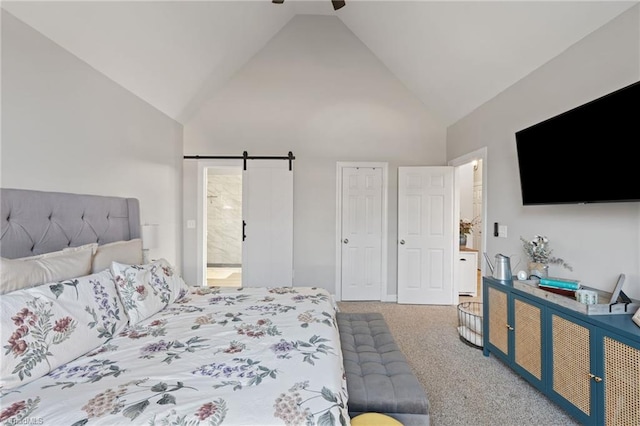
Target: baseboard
<point>386,298</point>
<point>389,298</point>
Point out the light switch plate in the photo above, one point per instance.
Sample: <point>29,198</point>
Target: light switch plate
<point>502,231</point>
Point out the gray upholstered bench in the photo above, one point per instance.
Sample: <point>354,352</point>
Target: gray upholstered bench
<point>379,378</point>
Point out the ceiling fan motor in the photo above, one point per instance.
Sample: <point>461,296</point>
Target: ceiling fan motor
<point>337,4</point>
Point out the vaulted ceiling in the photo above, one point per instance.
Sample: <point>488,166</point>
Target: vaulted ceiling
<point>454,55</point>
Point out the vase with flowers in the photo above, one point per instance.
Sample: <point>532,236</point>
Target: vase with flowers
<point>540,256</point>
<point>466,227</point>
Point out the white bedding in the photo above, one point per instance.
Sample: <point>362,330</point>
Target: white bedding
<point>253,356</point>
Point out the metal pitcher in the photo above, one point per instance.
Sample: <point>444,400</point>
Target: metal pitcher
<point>502,268</point>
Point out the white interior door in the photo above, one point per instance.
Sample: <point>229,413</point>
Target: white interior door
<point>425,235</point>
<point>267,205</point>
<point>361,233</point>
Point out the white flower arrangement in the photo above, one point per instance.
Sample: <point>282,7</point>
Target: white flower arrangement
<point>538,251</point>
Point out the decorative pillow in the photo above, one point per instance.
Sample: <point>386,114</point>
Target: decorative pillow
<point>128,252</point>
<point>147,289</point>
<point>16,274</point>
<point>49,325</point>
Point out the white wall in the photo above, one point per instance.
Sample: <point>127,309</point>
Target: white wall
<point>317,91</point>
<point>600,241</point>
<point>465,174</point>
<point>68,128</point>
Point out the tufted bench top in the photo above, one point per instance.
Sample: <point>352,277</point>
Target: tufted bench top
<point>379,378</point>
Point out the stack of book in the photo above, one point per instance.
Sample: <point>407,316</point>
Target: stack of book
<point>560,285</point>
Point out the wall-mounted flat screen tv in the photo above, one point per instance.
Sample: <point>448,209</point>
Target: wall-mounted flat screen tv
<point>584,155</point>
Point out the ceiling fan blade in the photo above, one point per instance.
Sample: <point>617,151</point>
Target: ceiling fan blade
<point>337,4</point>
<point>277,1</point>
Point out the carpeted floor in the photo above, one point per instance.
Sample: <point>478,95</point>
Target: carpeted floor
<point>463,386</point>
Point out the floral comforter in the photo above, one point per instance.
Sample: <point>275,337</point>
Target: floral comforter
<point>252,356</point>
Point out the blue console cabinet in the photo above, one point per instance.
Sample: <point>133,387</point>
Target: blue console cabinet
<point>587,364</point>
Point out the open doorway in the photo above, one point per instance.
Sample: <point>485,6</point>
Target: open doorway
<point>471,204</point>
<point>470,201</point>
<point>224,226</point>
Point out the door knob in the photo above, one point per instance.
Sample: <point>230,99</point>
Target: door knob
<point>346,241</point>
<point>402,242</point>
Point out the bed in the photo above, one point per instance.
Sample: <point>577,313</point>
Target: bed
<point>130,343</point>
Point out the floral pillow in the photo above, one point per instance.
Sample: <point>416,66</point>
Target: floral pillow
<point>147,289</point>
<point>49,325</point>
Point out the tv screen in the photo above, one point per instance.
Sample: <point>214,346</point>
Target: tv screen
<point>584,155</point>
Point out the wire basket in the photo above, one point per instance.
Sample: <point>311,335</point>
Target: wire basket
<point>470,323</point>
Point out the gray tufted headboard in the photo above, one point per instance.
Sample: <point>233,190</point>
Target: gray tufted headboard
<point>36,222</point>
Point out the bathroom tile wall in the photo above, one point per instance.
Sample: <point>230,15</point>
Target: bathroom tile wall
<point>224,220</point>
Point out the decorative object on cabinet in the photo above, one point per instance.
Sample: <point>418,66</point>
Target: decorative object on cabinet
<point>470,323</point>
<point>539,255</point>
<point>617,291</point>
<point>636,317</point>
<point>559,283</point>
<point>502,268</point>
<point>562,291</point>
<point>588,297</point>
<point>538,270</point>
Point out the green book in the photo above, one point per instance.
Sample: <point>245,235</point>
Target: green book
<point>560,283</point>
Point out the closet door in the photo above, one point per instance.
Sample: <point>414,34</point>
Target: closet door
<point>361,226</point>
<point>267,205</point>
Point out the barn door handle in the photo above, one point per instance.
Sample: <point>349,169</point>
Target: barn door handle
<point>244,225</point>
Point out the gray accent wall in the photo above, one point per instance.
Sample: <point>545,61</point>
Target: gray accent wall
<point>318,91</point>
<point>68,128</point>
<point>600,241</point>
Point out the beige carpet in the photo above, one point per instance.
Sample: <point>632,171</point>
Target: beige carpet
<point>463,386</point>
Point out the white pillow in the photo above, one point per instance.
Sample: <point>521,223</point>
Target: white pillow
<point>49,325</point>
<point>16,274</point>
<point>147,289</point>
<point>127,252</point>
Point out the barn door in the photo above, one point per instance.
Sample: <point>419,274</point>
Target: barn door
<point>267,205</point>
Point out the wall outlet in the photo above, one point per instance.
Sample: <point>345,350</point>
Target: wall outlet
<point>191,224</point>
<point>502,231</point>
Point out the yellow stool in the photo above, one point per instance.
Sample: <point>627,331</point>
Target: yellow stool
<point>374,419</point>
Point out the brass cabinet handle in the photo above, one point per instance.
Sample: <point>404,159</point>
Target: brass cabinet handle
<point>596,378</point>
<point>509,327</point>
